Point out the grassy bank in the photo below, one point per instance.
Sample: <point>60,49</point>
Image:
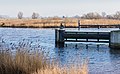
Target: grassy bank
<point>54,22</point>
<point>23,62</point>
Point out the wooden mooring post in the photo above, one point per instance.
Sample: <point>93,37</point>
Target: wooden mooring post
<point>78,24</point>
<point>115,39</point>
<point>59,37</point>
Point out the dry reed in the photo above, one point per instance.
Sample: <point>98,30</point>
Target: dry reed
<point>20,62</point>
<point>28,63</point>
<point>64,70</point>
<point>69,22</point>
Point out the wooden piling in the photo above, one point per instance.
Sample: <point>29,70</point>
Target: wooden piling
<point>78,24</point>
<point>59,37</point>
<point>115,39</point>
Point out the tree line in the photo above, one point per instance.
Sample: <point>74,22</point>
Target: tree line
<point>34,15</point>
<point>91,15</point>
<point>103,15</point>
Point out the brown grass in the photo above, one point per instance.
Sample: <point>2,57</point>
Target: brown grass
<point>49,22</point>
<point>64,70</point>
<point>22,62</point>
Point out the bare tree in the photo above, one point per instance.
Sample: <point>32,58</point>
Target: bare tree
<point>109,16</point>
<point>35,15</point>
<point>95,15</point>
<point>20,15</point>
<point>103,14</point>
<point>92,15</point>
<point>117,15</point>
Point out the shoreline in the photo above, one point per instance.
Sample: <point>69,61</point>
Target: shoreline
<point>82,26</point>
<point>55,23</point>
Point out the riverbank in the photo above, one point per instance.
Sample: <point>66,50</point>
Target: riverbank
<point>54,22</point>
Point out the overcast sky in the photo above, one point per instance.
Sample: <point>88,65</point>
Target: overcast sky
<point>57,7</point>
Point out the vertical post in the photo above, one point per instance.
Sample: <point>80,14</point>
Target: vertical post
<point>119,26</point>
<point>56,37</point>
<point>76,34</point>
<point>98,26</point>
<point>98,36</point>
<point>87,38</point>
<point>78,24</point>
<point>109,39</point>
<point>61,26</point>
<point>115,39</point>
<point>59,38</point>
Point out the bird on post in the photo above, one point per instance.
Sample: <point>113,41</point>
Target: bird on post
<point>61,26</point>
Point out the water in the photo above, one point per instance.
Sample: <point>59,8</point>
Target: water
<point>99,56</point>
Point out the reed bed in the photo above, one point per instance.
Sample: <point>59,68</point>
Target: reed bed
<point>64,70</point>
<point>49,22</point>
<point>22,62</point>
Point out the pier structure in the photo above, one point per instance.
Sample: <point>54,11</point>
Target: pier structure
<point>100,26</point>
<point>62,36</point>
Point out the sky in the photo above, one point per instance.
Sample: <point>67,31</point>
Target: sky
<point>47,8</point>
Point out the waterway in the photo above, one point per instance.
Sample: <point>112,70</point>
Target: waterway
<point>101,59</point>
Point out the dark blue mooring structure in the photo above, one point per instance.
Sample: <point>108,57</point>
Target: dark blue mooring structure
<point>62,36</point>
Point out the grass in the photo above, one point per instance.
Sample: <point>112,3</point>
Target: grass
<point>23,62</point>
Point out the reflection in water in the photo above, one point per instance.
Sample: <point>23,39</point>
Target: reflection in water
<point>78,52</point>
<point>68,56</point>
<point>60,55</point>
<point>115,54</point>
<point>100,57</point>
<point>115,51</point>
<point>115,60</point>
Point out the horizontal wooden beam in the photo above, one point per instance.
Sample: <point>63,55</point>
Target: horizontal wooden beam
<point>86,41</point>
<point>87,35</point>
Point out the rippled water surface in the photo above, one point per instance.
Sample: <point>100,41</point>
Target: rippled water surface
<point>101,59</point>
